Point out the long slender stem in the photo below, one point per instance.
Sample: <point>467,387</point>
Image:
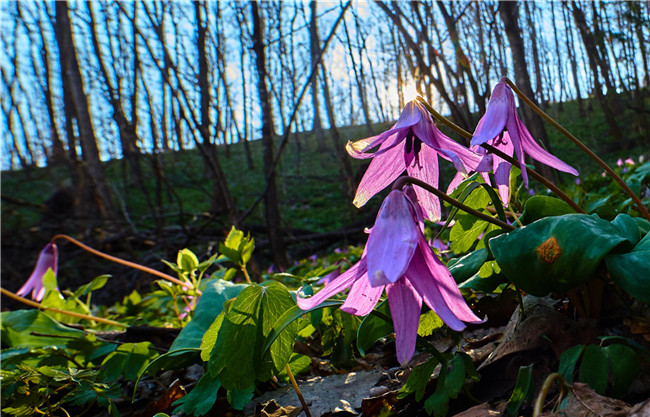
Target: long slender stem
<point>57,310</point>
<point>546,386</point>
<point>297,389</point>
<point>500,154</point>
<point>122,261</point>
<point>582,146</point>
<point>402,181</point>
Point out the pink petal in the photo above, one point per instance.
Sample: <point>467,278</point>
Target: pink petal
<point>438,289</point>
<point>383,170</point>
<point>393,240</point>
<point>387,140</point>
<point>502,167</point>
<point>425,168</point>
<point>535,151</point>
<point>496,115</point>
<point>47,259</point>
<point>464,159</point>
<point>338,284</point>
<point>405,307</point>
<point>411,115</point>
<point>515,136</point>
<point>362,298</point>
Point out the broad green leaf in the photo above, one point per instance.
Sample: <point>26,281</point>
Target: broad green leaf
<point>215,294</point>
<point>418,380</point>
<point>568,360</point>
<point>129,360</point>
<point>631,271</point>
<point>456,376</point>
<point>429,322</point>
<point>594,369</point>
<point>628,227</point>
<point>540,206</point>
<point>93,285</point>
<point>373,327</point>
<point>466,266</point>
<point>292,314</point>
<point>465,233</point>
<point>238,356</point>
<point>555,254</point>
<point>201,399</point>
<point>210,337</point>
<point>523,392</point>
<point>18,326</point>
<point>625,366</point>
<point>239,398</point>
<point>298,364</point>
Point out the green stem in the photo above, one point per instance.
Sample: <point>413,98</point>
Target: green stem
<point>57,310</point>
<point>564,388</point>
<point>402,181</point>
<point>297,389</point>
<point>582,146</point>
<point>122,261</point>
<point>539,178</point>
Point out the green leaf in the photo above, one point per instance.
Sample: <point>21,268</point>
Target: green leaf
<point>239,398</point>
<point>523,392</point>
<point>625,366</point>
<point>210,337</point>
<point>418,380</point>
<point>129,360</point>
<point>298,364</point>
<point>568,360</point>
<point>540,206</point>
<point>373,327</point>
<point>555,254</point>
<point>238,355</point>
<point>465,233</point>
<point>466,266</point>
<point>455,379</point>
<point>429,322</point>
<point>594,369</point>
<point>201,399</point>
<point>187,260</point>
<point>17,328</point>
<point>215,294</point>
<point>289,316</point>
<point>628,227</point>
<point>631,271</point>
<point>93,285</point>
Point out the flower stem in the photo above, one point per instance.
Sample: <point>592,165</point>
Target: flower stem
<point>297,389</point>
<point>402,181</point>
<point>546,386</point>
<point>582,146</point>
<point>504,156</point>
<point>122,261</point>
<point>56,310</point>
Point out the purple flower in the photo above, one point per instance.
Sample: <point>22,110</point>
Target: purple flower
<point>47,259</point>
<point>412,144</point>
<point>397,258</point>
<point>629,161</point>
<point>501,125</point>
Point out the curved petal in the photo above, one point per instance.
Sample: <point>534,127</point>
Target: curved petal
<point>393,240</point>
<point>513,131</point>
<point>383,170</point>
<point>464,159</point>
<point>425,168</point>
<point>501,167</point>
<point>410,116</point>
<point>387,140</point>
<point>338,284</point>
<point>535,151</point>
<point>496,115</point>
<point>405,307</point>
<point>439,291</point>
<point>47,259</point>
<point>362,298</point>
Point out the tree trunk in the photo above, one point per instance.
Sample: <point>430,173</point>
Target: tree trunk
<point>592,54</point>
<point>314,49</point>
<point>508,12</point>
<point>77,110</point>
<point>271,199</point>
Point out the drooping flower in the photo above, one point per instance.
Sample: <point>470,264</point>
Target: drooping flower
<point>47,259</point>
<point>501,125</point>
<point>398,259</point>
<point>412,144</point>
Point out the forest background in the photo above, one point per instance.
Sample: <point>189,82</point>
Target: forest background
<point>145,127</point>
